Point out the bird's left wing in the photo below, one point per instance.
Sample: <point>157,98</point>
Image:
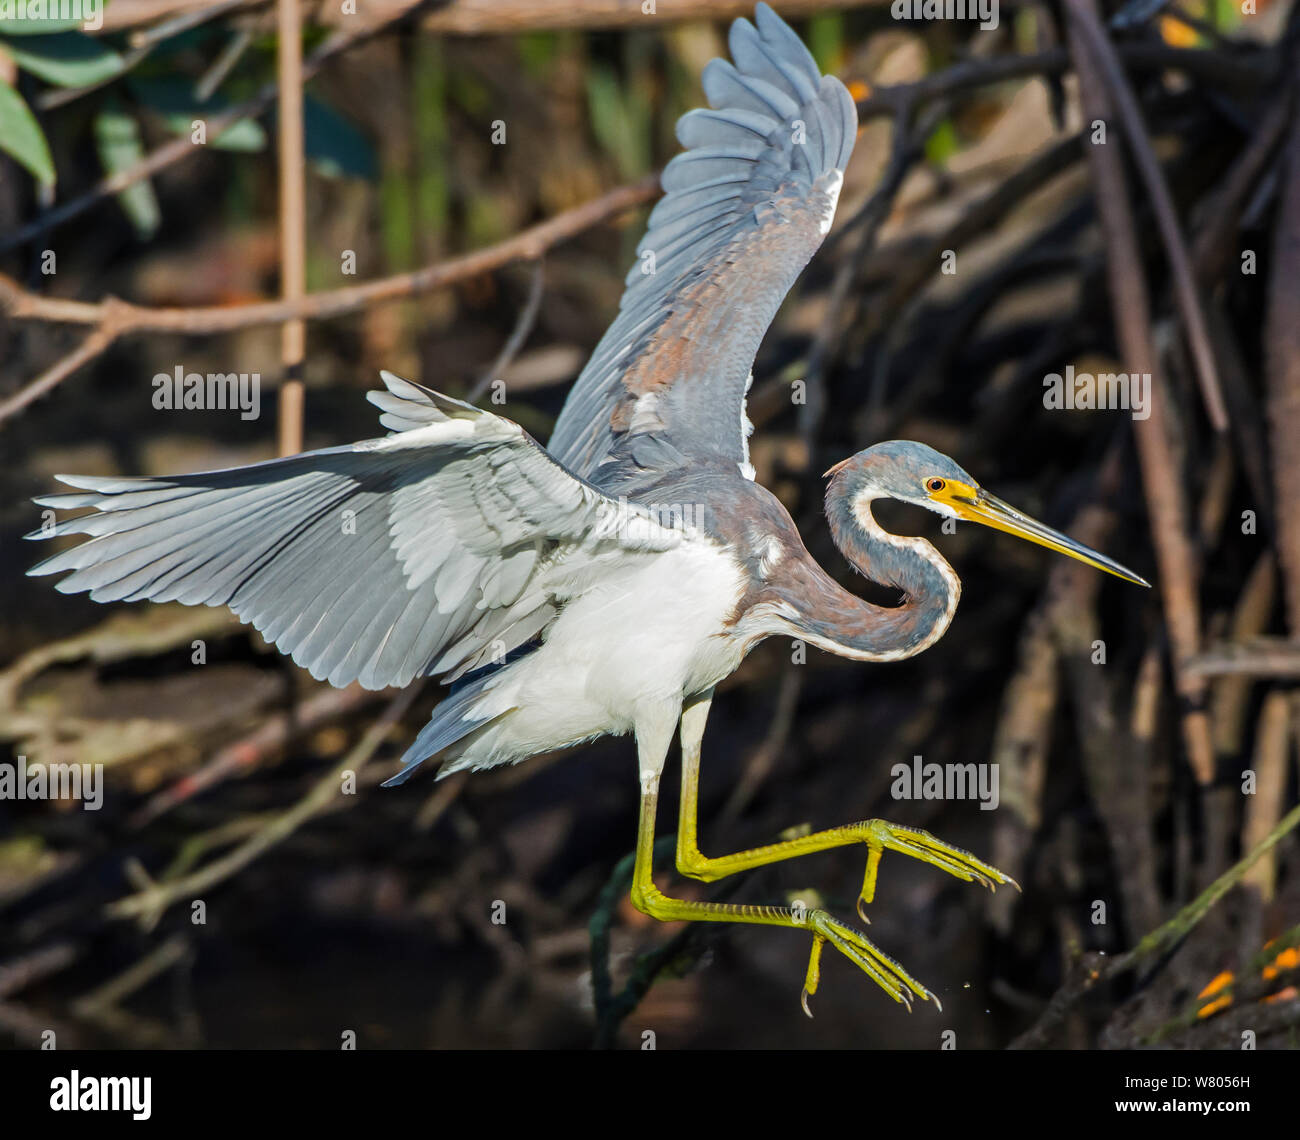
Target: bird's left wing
<point>426,551</point>
<point>747,205</point>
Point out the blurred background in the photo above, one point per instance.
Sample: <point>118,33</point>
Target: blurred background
<point>227,895</point>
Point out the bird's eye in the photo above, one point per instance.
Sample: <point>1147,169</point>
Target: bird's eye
<point>935,485</point>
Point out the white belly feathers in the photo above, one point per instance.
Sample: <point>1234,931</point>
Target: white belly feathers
<point>652,632</point>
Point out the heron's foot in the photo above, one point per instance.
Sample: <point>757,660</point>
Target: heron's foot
<point>879,835</point>
<point>881,969</point>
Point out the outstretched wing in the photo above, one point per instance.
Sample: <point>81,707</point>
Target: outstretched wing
<point>423,552</point>
<point>747,205</point>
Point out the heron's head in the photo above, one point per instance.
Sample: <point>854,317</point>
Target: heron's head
<point>914,473</point>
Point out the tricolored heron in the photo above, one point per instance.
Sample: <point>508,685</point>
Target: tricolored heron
<point>606,584</point>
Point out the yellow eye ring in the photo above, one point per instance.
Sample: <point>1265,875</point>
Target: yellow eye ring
<point>935,485</point>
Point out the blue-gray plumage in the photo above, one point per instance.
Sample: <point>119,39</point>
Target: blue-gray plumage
<point>746,205</point>
<point>604,585</point>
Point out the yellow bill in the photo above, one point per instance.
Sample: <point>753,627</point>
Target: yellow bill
<point>977,505</point>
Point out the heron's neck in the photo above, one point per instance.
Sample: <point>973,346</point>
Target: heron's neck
<point>843,623</point>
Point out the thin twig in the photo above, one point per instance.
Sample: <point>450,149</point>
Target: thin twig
<point>221,67</point>
<point>163,957</point>
<point>19,973</point>
<point>56,97</point>
<point>518,335</point>
<point>1214,243</point>
<point>907,146</point>
<point>1180,262</point>
<point>183,22</point>
<point>114,318</point>
<point>182,147</point>
<point>1260,657</point>
<point>1176,554</point>
<point>1272,749</point>
<point>1093,969</point>
<point>293,222</point>
<point>1235,71</point>
<point>94,344</point>
<point>500,17</point>
<point>153,898</point>
<point>1282,359</point>
<point>323,708</point>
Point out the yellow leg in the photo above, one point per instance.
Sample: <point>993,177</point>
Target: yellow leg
<point>875,833</point>
<point>648,899</point>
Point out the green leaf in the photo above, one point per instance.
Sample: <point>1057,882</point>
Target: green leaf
<point>69,59</point>
<point>1227,15</point>
<point>538,51</point>
<point>334,145</point>
<point>245,135</point>
<point>615,122</point>
<point>21,137</point>
<point>173,99</point>
<point>16,26</point>
<point>943,143</point>
<point>826,39</point>
<point>117,137</point>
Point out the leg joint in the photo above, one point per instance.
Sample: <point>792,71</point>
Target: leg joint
<point>649,899</point>
<point>696,866</point>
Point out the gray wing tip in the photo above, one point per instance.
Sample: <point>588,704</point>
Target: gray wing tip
<point>780,35</point>
<point>406,389</point>
<point>407,405</point>
<point>771,64</point>
<point>106,484</point>
<point>740,25</point>
<point>65,501</point>
<point>837,97</point>
<point>711,194</point>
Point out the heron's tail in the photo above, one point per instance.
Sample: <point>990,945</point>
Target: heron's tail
<point>458,717</point>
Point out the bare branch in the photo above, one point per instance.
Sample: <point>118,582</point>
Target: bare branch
<point>113,318</point>
<point>1180,262</point>
<point>495,17</point>
<point>179,148</point>
<point>96,343</point>
<point>293,221</point>
<point>1176,554</point>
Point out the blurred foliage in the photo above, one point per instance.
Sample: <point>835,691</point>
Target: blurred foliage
<point>21,137</point>
<point>118,138</point>
<point>167,84</point>
<point>404,171</point>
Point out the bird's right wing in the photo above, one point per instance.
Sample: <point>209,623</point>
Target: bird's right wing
<point>746,205</point>
<point>423,552</point>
